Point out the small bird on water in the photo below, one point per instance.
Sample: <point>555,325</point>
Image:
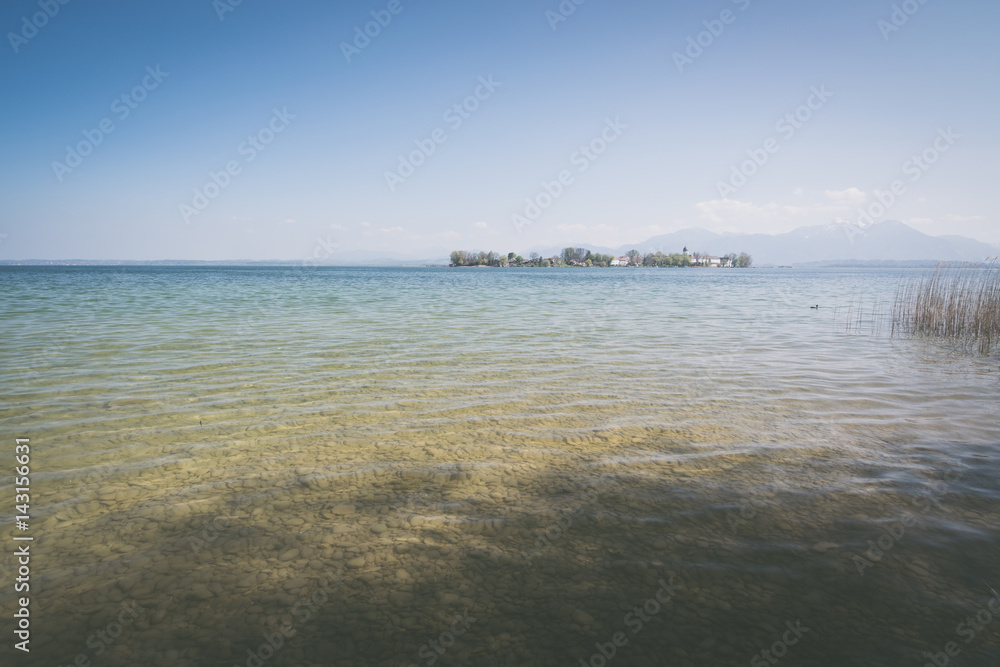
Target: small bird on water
<point>813,307</point>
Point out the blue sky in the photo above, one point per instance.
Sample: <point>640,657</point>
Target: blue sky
<point>663,139</point>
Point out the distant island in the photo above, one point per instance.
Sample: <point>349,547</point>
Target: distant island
<point>584,257</point>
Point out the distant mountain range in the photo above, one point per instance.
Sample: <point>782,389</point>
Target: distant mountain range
<point>886,241</point>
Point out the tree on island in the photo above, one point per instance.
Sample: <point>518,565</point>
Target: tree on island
<point>675,259</point>
<point>584,257</point>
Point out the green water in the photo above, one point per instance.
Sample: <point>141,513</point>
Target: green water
<point>345,459</point>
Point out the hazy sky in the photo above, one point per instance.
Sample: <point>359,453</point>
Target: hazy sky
<point>196,129</point>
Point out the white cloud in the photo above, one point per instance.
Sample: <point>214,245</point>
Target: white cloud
<point>481,225</point>
<point>391,230</point>
<point>338,228</point>
<point>849,197</point>
<point>287,221</point>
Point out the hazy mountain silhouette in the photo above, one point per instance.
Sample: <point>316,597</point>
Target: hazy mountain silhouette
<point>890,240</point>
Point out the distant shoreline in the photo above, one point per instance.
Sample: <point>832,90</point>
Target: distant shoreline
<point>831,264</point>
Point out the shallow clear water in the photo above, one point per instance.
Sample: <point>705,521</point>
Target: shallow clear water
<point>357,455</point>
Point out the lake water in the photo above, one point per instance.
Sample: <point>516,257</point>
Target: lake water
<point>397,467</point>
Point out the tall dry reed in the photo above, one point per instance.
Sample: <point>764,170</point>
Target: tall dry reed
<point>960,303</point>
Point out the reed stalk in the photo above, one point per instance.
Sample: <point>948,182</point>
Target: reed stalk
<point>960,303</point>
